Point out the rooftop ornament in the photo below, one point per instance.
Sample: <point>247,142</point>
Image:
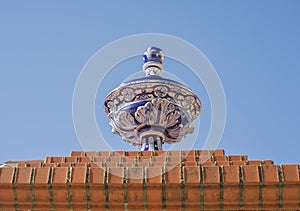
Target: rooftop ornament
<point>152,110</point>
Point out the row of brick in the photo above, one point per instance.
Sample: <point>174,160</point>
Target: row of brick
<point>54,159</point>
<point>191,155</point>
<point>266,187</point>
<point>186,174</point>
<point>141,163</point>
<point>217,152</point>
<point>154,198</point>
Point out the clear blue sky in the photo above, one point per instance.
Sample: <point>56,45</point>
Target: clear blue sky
<point>253,45</point>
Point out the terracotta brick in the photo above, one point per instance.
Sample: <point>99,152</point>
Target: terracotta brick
<point>60,175</point>
<point>245,157</point>
<point>22,164</point>
<point>204,156</point>
<point>24,197</point>
<point>173,196</point>
<point>84,159</point>
<point>290,173</point>
<point>154,196</point>
<point>115,159</point>
<point>211,174</point>
<point>190,163</point>
<point>46,165</point>
<point>212,197</point>
<point>91,154</point>
<point>174,159</point>
<point>116,175</point>
<point>60,197</point>
<point>104,153</point>
<point>97,196</point>
<point>77,153</point>
<point>48,159</point>
<point>6,190</point>
<point>79,195</point>
<point>60,187</point>
<point>231,187</point>
<point>41,175</point>
<point>6,175</point>
<point>135,175</point>
<point>100,159</point>
<point>144,159</point>
<point>24,175</point>
<point>235,157</point>
<point>220,158</point>
<point>175,153</point>
<point>146,153</point>
<point>154,175</point>
<point>268,162</point>
<point>92,164</point>
<point>218,152</point>
<point>64,164</point>
<point>132,153</point>
<point>173,187</point>
<point>135,192</point>
<point>110,164</point>
<point>207,163</point>
<point>270,173</point>
<point>270,194</point>
<point>131,164</point>
<point>71,159</point>
<point>129,159</point>
<point>172,165</point>
<point>290,196</point>
<point>237,163</point>
<point>41,195</point>
<point>188,153</point>
<point>23,190</point>
<point>206,153</point>
<point>160,153</point>
<point>192,196</point>
<point>97,175</point>
<point>35,164</point>
<point>159,159</point>
<point>192,174</point>
<point>56,159</point>
<point>231,175</point>
<point>251,197</point>
<point>254,162</point>
<point>231,197</point>
<point>135,196</point>
<point>191,156</point>
<point>78,175</point>
<point>81,164</point>
<point>173,175</point>
<point>116,195</point>
<point>157,164</point>
<point>250,174</point>
<point>6,197</point>
<point>141,164</point>
<point>118,153</point>
<point>222,163</point>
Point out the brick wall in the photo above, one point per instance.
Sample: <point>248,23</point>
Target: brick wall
<point>162,180</point>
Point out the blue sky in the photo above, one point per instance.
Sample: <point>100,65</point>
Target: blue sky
<point>253,45</point>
